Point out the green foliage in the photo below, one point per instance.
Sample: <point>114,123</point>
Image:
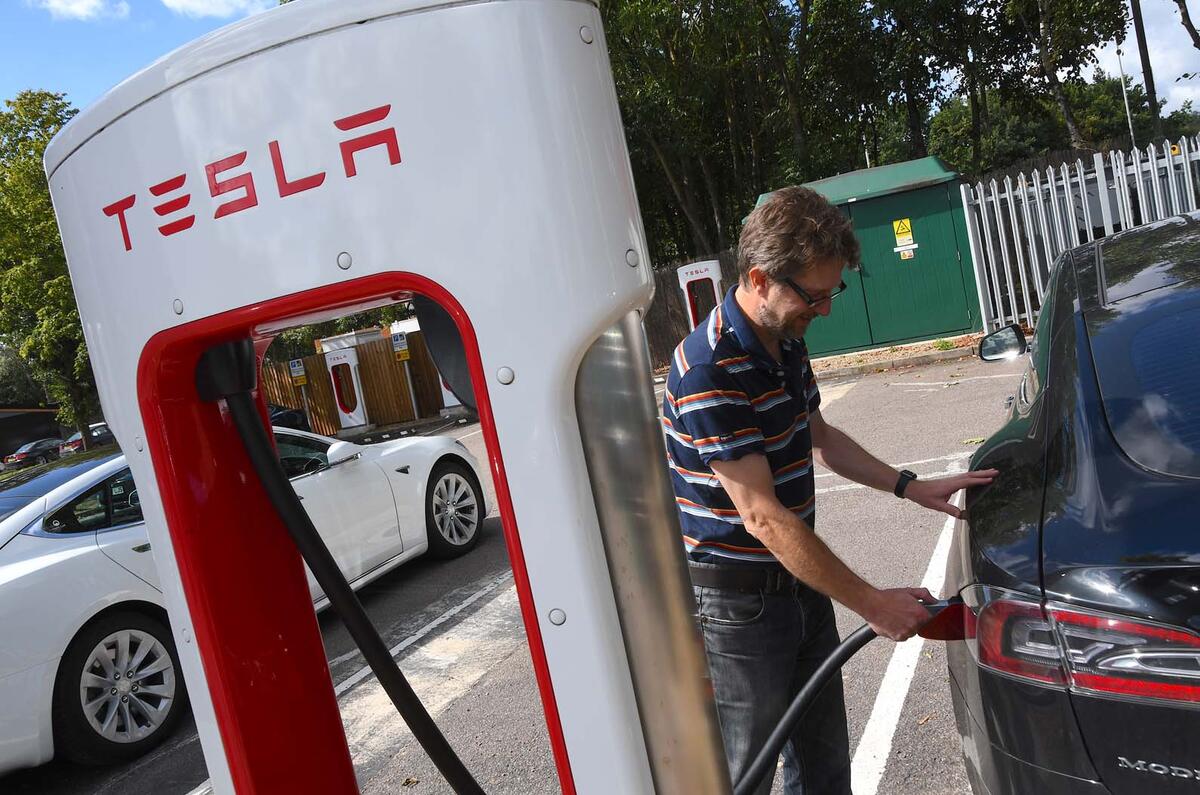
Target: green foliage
<point>38,317</point>
<point>17,387</point>
<point>296,343</point>
<point>1027,125</point>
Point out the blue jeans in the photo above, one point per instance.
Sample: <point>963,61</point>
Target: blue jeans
<point>761,650</point>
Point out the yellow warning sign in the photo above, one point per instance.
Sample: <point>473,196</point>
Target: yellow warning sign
<point>903,230</point>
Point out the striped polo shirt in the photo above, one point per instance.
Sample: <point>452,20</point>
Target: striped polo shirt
<point>727,397</point>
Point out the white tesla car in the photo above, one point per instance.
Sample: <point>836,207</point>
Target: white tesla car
<point>88,668</point>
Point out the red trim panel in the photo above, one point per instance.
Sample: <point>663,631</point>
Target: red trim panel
<point>244,581</point>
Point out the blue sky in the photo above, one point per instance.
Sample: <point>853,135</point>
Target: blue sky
<point>85,47</point>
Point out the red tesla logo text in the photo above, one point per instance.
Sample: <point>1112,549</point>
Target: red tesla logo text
<point>237,188</point>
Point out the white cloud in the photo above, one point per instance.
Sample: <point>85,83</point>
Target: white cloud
<point>83,9</point>
<point>1171,54</point>
<point>218,8</point>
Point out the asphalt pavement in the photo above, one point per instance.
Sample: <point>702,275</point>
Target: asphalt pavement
<point>455,628</point>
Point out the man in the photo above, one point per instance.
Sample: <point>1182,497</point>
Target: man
<point>743,423</point>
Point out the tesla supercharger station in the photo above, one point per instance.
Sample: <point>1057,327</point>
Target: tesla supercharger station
<point>342,366</point>
<point>327,157</point>
<point>700,282</point>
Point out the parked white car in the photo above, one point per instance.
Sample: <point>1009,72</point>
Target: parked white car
<point>88,668</point>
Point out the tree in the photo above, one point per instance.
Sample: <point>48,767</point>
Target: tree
<point>1185,19</point>
<point>1139,31</point>
<point>296,343</point>
<point>1063,36</point>
<point>17,387</point>
<point>38,316</point>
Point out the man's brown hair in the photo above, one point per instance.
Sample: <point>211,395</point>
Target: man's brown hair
<point>793,229</point>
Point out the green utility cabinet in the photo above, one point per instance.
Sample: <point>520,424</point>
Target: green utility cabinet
<point>917,280</point>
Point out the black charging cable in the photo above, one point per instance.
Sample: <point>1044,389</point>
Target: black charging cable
<point>769,753</point>
<point>229,372</point>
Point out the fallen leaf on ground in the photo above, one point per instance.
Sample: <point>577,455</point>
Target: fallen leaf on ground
<point>926,719</point>
<point>411,782</point>
<point>973,440</point>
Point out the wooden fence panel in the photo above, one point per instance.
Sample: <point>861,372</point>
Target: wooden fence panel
<point>277,383</point>
<point>385,386</point>
<point>322,410</point>
<point>315,398</point>
<point>427,384</point>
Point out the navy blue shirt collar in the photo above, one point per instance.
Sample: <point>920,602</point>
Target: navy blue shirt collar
<point>736,321</point>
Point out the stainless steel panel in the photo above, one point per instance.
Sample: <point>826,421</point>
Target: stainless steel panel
<point>639,525</point>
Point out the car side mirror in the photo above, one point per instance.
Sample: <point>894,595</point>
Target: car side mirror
<point>341,452</point>
<point>1007,343</point>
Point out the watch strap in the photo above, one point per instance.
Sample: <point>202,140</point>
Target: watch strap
<point>906,477</point>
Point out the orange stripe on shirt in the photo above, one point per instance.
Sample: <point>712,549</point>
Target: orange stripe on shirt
<point>714,511</point>
<point>733,360</point>
<point>724,437</point>
<point>803,506</point>
<point>668,424</point>
<point>768,396</point>
<point>711,394</point>
<point>799,419</point>
<point>692,542</point>
<point>801,464</point>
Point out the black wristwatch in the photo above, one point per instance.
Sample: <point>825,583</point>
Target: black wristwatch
<point>906,476</point>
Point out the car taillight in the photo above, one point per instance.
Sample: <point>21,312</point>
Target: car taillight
<point>1013,637</point>
<point>1086,651</point>
<point>1106,654</point>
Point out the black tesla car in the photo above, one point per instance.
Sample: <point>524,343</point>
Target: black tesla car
<point>1081,563</point>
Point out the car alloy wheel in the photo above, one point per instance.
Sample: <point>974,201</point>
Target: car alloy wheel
<point>127,687</point>
<point>455,509</point>
<point>453,505</point>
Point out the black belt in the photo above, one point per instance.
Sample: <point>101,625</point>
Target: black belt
<point>770,579</point>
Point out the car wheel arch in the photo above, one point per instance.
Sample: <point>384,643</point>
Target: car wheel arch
<point>146,608</point>
<point>449,458</point>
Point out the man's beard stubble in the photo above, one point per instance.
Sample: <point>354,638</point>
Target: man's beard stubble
<point>780,327</point>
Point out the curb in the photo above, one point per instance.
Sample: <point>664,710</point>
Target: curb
<point>893,364</point>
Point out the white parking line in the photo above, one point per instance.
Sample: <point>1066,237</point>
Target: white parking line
<point>951,457</point>
<point>955,381</point>
<point>468,435</point>
<point>853,486</point>
<point>871,756</point>
<point>365,672</point>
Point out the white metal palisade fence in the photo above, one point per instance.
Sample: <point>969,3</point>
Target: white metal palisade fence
<point>1018,229</point>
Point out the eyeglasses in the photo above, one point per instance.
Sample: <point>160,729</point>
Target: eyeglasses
<point>808,299</point>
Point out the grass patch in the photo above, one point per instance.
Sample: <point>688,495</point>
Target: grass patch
<point>943,345</point>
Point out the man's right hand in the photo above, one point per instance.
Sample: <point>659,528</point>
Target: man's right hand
<point>897,614</point>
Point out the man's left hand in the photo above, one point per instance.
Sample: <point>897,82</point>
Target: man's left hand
<point>936,494</point>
